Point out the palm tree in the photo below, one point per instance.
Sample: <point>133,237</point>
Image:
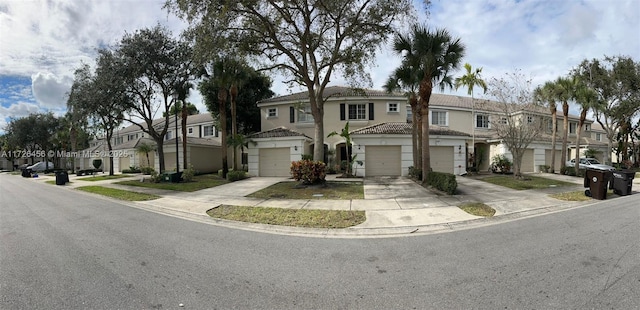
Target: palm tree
<point>547,94</point>
<point>586,98</point>
<point>183,90</point>
<point>564,91</point>
<point>408,79</point>
<point>471,79</point>
<point>145,148</point>
<point>435,54</point>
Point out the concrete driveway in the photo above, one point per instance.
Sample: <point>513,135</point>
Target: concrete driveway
<point>394,187</point>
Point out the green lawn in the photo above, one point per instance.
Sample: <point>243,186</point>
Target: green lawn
<point>199,182</point>
<point>330,190</point>
<point>290,217</point>
<point>118,193</point>
<point>530,182</point>
<point>105,177</point>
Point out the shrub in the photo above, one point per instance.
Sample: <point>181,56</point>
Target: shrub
<point>132,169</point>
<point>445,182</point>
<point>501,164</point>
<point>571,171</point>
<point>155,177</point>
<point>307,157</point>
<point>147,170</point>
<point>187,174</point>
<point>415,173</point>
<point>309,172</point>
<point>544,168</point>
<point>236,175</point>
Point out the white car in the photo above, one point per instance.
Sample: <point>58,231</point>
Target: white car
<point>591,163</point>
<point>41,166</point>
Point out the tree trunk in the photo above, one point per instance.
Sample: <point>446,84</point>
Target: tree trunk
<point>413,102</point>
<point>426,87</point>
<point>554,132</point>
<point>317,110</point>
<point>222,104</point>
<point>184,135</point>
<point>583,116</point>
<point>565,133</point>
<point>160,149</point>
<point>234,129</point>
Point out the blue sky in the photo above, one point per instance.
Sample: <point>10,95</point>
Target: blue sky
<point>43,42</point>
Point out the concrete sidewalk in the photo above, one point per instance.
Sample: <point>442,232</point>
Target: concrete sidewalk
<point>393,205</point>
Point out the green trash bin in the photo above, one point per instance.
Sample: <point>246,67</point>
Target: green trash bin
<point>173,177</point>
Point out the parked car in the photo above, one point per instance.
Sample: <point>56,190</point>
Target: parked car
<point>591,163</point>
<point>41,166</point>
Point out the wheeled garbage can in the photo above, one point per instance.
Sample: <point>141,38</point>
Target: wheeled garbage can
<point>597,182</point>
<point>621,183</point>
<point>62,177</point>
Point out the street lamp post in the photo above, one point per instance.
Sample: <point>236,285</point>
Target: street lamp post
<point>175,117</point>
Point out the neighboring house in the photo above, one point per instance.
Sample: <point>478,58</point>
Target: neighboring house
<point>203,147</point>
<point>381,135</point>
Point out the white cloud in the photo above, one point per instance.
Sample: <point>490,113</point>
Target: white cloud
<point>51,91</point>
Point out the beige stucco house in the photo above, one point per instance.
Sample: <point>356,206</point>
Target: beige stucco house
<point>203,147</point>
<point>381,133</point>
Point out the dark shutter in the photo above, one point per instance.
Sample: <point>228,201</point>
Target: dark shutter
<point>292,115</point>
<point>370,111</point>
<point>343,115</point>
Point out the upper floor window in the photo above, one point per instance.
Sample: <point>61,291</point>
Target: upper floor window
<point>572,127</point>
<point>207,131</point>
<point>598,137</point>
<point>409,115</point>
<point>357,111</point>
<point>482,121</point>
<point>169,135</point>
<point>190,130</point>
<point>529,119</point>
<point>392,107</point>
<point>439,118</point>
<point>119,140</point>
<point>272,112</point>
<point>132,137</point>
<point>587,127</point>
<point>304,115</point>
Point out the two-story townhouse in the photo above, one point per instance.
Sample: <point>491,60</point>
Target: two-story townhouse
<point>381,134</point>
<point>374,117</point>
<point>203,146</point>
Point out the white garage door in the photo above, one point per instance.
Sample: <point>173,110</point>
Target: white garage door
<point>442,158</point>
<point>275,162</point>
<point>527,161</point>
<point>382,160</point>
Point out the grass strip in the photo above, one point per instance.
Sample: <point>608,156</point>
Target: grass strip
<point>289,217</point>
<point>329,190</point>
<point>477,209</point>
<point>199,182</point>
<point>118,193</point>
<point>104,177</point>
<point>528,182</point>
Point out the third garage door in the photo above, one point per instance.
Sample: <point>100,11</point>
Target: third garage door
<point>383,161</point>
<point>275,162</point>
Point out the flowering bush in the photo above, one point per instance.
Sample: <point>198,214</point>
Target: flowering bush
<point>309,172</point>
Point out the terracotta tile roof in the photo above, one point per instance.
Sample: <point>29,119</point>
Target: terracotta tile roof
<point>400,128</point>
<point>279,132</point>
<point>191,141</point>
<point>334,91</point>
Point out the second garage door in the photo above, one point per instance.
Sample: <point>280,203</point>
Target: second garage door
<point>275,162</point>
<point>383,161</point>
<point>442,158</point>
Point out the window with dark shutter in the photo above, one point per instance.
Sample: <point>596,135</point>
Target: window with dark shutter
<point>370,111</point>
<point>292,115</point>
<point>343,114</point>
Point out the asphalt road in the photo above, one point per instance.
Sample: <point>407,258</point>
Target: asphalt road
<point>63,249</point>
